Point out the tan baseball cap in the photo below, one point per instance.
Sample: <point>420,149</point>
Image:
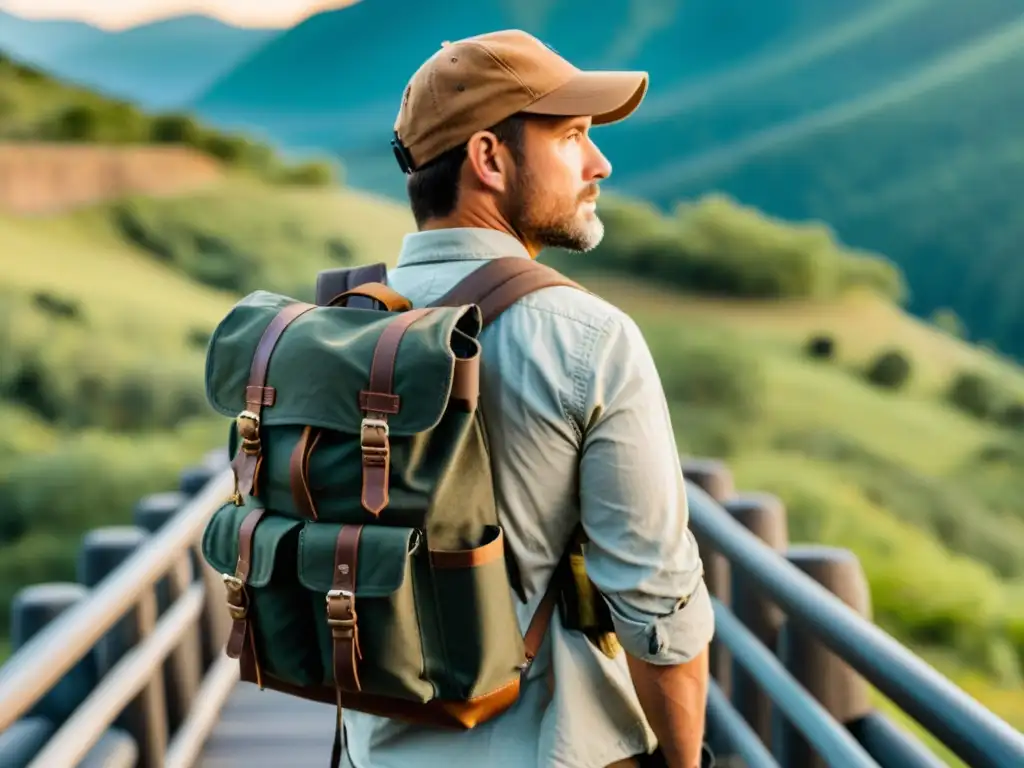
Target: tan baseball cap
<point>471,84</point>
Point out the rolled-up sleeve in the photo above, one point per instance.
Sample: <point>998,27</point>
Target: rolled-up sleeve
<point>641,554</point>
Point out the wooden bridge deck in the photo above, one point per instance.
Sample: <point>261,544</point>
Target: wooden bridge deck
<point>267,729</point>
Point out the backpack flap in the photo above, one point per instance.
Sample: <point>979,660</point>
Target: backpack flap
<point>379,650</point>
<point>255,553</point>
<point>318,386</point>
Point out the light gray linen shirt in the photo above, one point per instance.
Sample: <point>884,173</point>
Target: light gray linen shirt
<point>579,429</point>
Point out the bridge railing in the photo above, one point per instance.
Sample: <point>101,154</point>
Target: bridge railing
<point>795,651</point>
<point>126,667</point>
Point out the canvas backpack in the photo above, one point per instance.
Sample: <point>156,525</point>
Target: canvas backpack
<point>362,553</point>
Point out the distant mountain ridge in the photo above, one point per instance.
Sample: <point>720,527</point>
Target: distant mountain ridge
<point>159,65</point>
<point>895,121</point>
<point>334,80</point>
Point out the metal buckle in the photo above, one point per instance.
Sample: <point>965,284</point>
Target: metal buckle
<point>377,424</point>
<point>232,582</point>
<point>251,416</point>
<point>349,623</point>
<point>249,433</point>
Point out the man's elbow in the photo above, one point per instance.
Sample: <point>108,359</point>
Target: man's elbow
<point>677,636</point>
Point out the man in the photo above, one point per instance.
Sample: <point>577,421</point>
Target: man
<point>496,129</point>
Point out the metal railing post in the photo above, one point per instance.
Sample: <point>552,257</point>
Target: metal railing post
<point>839,688</point>
<point>764,515</point>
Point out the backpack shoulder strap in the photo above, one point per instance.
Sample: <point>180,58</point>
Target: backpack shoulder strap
<point>500,283</point>
<point>495,287</point>
<point>332,282</point>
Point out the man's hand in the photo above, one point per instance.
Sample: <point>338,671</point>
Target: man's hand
<point>674,698</point>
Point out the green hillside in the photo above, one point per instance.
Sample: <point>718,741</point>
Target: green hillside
<point>36,107</point>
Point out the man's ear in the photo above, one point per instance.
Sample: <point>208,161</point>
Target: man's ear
<point>488,161</point>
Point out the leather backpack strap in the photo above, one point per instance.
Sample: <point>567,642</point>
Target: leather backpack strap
<point>500,283</point>
<point>495,287</point>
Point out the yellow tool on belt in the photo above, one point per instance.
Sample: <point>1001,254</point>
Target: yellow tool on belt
<point>592,616</point>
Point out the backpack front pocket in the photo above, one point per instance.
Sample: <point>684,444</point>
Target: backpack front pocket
<point>484,649</point>
<point>261,590</point>
<point>363,591</point>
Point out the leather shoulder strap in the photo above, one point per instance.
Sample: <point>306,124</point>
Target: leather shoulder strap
<point>500,283</point>
<point>332,282</point>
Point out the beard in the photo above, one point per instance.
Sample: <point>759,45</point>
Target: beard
<point>543,216</point>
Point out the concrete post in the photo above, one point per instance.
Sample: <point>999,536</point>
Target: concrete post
<point>715,479</point>
<point>32,609</point>
<point>103,550</point>
<point>839,688</point>
<point>764,515</point>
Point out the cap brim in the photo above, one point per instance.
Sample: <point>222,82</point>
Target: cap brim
<point>606,97</point>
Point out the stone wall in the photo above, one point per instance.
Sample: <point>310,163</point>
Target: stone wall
<point>48,178</point>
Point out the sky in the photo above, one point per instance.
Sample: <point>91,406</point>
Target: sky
<point>117,14</point>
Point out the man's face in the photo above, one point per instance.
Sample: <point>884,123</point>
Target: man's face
<point>551,200</point>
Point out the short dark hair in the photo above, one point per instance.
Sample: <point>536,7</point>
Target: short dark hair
<point>434,189</point>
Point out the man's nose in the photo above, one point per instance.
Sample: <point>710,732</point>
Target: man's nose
<point>597,166</point>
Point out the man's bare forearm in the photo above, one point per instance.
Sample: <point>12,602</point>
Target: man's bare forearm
<point>674,698</point>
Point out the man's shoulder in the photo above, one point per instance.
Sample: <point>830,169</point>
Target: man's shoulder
<point>573,308</point>
<point>561,310</point>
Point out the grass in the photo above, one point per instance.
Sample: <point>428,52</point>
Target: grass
<point>861,324</point>
<point>83,257</point>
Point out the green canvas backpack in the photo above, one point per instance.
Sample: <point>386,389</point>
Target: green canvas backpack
<point>363,557</point>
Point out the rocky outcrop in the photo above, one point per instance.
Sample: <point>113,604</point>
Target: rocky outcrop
<point>38,178</point>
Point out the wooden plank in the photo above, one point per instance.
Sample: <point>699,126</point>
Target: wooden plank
<point>260,729</point>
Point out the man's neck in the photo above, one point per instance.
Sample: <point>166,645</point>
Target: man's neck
<point>477,220</point>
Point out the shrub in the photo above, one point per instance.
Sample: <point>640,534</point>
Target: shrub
<point>947,321</point>
<point>1012,416</point>
<point>77,123</point>
<point>55,306</point>
<point>974,394</point>
<point>175,129</point>
<point>717,247</point>
<point>113,122</point>
<point>890,369</point>
<point>311,174</point>
<point>821,347</point>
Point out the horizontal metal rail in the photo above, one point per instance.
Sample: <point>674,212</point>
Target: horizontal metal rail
<point>890,745</point>
<point>58,647</point>
<point>739,736</point>
<point>830,739</point>
<point>971,731</point>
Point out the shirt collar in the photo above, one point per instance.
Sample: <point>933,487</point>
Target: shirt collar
<point>458,244</point>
